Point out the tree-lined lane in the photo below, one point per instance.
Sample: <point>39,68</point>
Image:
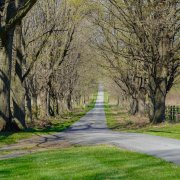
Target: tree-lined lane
<point>92,130</point>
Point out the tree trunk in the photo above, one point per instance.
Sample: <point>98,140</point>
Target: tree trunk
<point>52,106</point>
<point>158,92</point>
<point>48,105</point>
<point>118,101</point>
<point>6,43</point>
<point>57,106</point>
<point>19,109</point>
<point>29,107</point>
<point>79,101</point>
<point>84,100</point>
<point>141,106</point>
<point>157,110</point>
<point>45,104</point>
<point>133,106</point>
<point>19,96</point>
<point>60,105</point>
<point>35,106</point>
<point>69,102</point>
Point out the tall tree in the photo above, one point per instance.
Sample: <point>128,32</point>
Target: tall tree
<point>11,15</point>
<point>146,34</point>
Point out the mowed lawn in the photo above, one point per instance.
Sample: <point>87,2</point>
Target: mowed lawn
<point>166,130</point>
<point>98,162</point>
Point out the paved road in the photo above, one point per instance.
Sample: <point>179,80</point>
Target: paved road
<point>92,130</point>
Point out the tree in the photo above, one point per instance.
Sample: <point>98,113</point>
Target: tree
<point>144,34</point>
<point>11,15</point>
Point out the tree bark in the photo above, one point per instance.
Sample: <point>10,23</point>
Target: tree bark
<point>45,104</point>
<point>48,106</point>
<point>157,110</point>
<point>56,106</point>
<point>69,102</point>
<point>35,106</point>
<point>133,106</point>
<point>6,43</point>
<point>29,107</point>
<point>19,96</point>
<point>141,106</point>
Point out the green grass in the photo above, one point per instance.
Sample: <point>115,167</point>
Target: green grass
<point>58,124</point>
<point>169,130</point>
<point>166,130</point>
<point>112,123</point>
<point>99,162</point>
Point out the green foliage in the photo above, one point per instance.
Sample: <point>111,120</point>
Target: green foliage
<point>100,162</point>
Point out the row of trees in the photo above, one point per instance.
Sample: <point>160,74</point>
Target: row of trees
<point>139,41</point>
<point>12,13</point>
<point>42,53</point>
<point>48,62</point>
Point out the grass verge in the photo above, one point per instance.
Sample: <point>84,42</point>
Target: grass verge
<point>58,124</point>
<point>118,119</point>
<point>98,162</point>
